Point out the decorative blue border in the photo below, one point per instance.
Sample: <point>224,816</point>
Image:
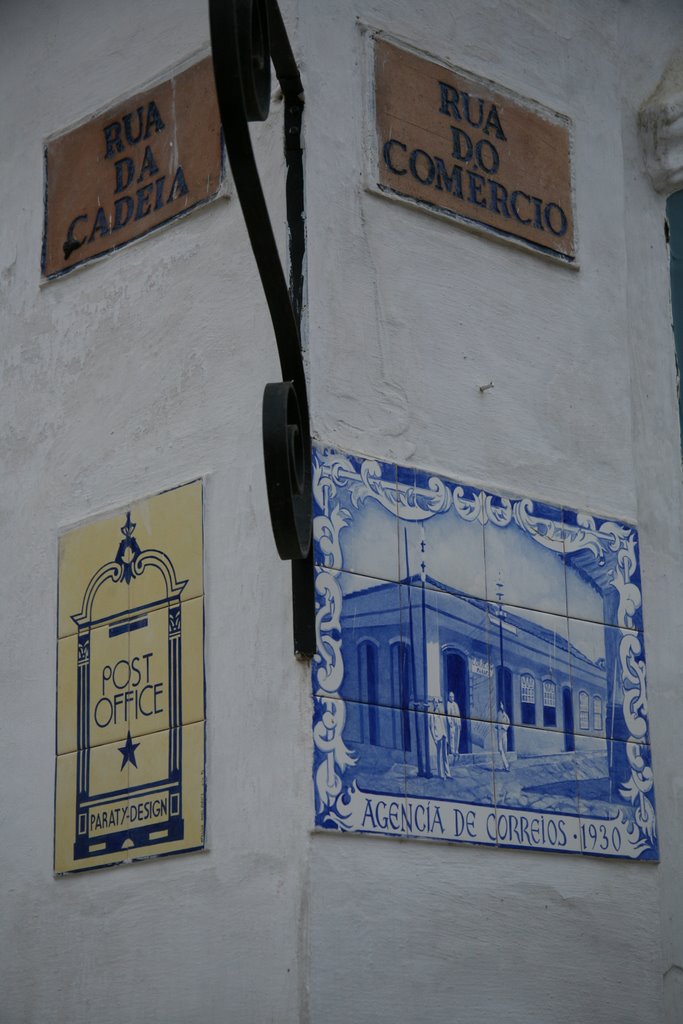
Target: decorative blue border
<point>344,485</point>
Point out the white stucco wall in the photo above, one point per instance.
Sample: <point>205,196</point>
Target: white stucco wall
<point>146,369</point>
<point>133,374</point>
<point>402,931</point>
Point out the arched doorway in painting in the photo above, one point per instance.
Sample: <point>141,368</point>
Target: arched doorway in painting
<point>504,697</point>
<point>368,677</point>
<point>406,690</point>
<point>455,680</point>
<point>568,719</point>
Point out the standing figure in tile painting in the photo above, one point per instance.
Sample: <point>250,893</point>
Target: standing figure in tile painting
<point>454,725</point>
<point>502,727</point>
<point>437,729</point>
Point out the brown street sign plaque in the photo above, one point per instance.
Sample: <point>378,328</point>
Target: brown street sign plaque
<point>465,148</point>
<point>142,163</point>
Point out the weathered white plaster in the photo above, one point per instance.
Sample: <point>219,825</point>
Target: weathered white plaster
<point>426,294</point>
<point>128,376</point>
<point>435,314</point>
<point>661,124</point>
<point>147,369</point>
<point>657,453</point>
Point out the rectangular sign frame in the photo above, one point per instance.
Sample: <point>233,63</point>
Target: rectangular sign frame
<point>430,198</point>
<point>134,166</point>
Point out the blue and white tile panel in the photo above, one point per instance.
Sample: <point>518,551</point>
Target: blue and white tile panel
<point>480,666</point>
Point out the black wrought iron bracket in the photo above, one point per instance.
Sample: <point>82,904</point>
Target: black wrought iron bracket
<point>245,36</point>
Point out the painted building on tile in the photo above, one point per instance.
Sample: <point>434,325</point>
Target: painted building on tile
<point>483,656</point>
<point>465,805</point>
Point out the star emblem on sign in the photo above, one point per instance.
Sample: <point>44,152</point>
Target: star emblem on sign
<point>128,751</point>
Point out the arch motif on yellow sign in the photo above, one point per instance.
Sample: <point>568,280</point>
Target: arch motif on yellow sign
<point>130,684</point>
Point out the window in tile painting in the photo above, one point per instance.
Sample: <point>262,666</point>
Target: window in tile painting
<point>406,689</point>
<point>367,672</point>
<point>568,718</point>
<point>597,714</point>
<point>528,684</point>
<point>373,724</point>
<point>584,722</point>
<point>549,703</point>
<point>395,659</point>
<point>406,672</point>
<point>400,723</point>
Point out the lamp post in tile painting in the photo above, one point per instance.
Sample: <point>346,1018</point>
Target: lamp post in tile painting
<point>425,675</point>
<point>419,705</point>
<point>504,676</point>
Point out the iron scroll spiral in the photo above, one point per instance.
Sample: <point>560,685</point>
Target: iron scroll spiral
<point>241,35</point>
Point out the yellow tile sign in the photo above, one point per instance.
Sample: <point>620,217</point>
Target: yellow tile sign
<point>130,684</point>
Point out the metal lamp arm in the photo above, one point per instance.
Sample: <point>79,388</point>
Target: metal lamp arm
<point>241,36</point>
